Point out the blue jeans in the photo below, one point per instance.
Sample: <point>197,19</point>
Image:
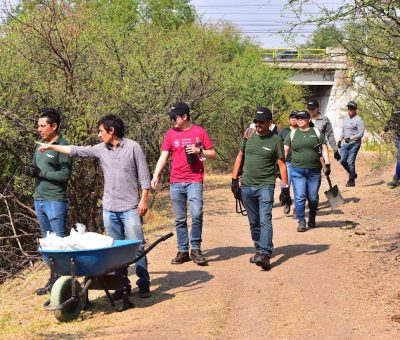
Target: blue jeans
<point>306,183</point>
<point>180,194</point>
<point>398,158</point>
<point>52,216</point>
<point>258,202</point>
<point>348,158</point>
<point>128,225</point>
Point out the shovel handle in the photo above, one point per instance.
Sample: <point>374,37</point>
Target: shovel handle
<point>324,169</point>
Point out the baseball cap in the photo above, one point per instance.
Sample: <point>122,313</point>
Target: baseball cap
<point>303,114</point>
<point>178,109</point>
<point>263,114</point>
<point>293,113</point>
<point>312,104</point>
<point>352,104</point>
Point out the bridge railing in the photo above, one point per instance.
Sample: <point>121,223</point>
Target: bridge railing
<point>293,54</point>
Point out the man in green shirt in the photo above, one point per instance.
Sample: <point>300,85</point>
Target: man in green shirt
<point>261,151</point>
<point>52,171</point>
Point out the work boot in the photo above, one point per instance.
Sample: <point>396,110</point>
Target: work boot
<point>393,183</point>
<point>253,259</point>
<point>286,209</point>
<point>47,288</point>
<point>263,261</point>
<point>197,257</point>
<point>181,257</point>
<point>119,293</point>
<point>351,183</point>
<point>144,291</point>
<point>294,213</point>
<point>302,226</point>
<point>311,222</point>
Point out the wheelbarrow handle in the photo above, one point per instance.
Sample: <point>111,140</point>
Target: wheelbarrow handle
<point>151,246</point>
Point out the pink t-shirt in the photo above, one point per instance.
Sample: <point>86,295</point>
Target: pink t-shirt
<point>174,142</point>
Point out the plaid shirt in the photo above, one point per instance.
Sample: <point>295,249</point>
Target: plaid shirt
<point>123,168</point>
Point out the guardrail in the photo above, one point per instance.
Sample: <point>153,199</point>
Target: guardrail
<point>293,54</point>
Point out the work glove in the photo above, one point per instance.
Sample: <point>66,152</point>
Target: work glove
<point>347,140</point>
<point>235,188</point>
<point>328,169</point>
<point>32,170</point>
<point>336,154</point>
<point>285,196</point>
<point>339,144</point>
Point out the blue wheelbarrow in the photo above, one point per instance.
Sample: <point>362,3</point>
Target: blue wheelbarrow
<point>68,297</point>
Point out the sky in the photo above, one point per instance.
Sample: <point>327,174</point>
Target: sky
<point>266,21</point>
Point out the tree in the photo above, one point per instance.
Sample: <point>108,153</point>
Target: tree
<point>326,36</point>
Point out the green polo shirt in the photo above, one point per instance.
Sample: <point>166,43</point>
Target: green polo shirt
<point>55,171</point>
<point>260,156</point>
<point>302,147</point>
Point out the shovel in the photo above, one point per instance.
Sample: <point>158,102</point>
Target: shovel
<point>335,198</point>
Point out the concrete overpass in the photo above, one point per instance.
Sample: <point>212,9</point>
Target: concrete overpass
<point>325,73</point>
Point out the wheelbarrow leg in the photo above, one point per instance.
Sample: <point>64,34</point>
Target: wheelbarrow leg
<point>126,303</point>
<point>87,302</point>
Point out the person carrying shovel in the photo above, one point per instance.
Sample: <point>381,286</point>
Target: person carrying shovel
<point>306,167</point>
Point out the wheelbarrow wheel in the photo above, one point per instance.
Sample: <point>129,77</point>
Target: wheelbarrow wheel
<point>61,292</point>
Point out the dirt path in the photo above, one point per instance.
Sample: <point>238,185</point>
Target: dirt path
<point>338,281</point>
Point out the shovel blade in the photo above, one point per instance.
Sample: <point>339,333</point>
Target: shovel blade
<point>334,197</point>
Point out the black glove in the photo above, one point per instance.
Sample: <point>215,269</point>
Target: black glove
<point>235,188</point>
<point>339,144</point>
<point>336,154</point>
<point>285,196</point>
<point>347,140</point>
<point>32,170</point>
<point>328,170</point>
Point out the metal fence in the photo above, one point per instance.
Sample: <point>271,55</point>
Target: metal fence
<point>293,54</point>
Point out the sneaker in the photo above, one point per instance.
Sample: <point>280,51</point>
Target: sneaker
<point>294,214</point>
<point>351,183</point>
<point>286,209</point>
<point>302,226</point>
<point>144,291</point>
<point>181,257</point>
<point>393,183</point>
<point>253,259</point>
<point>311,222</point>
<point>263,261</point>
<point>197,257</point>
<point>47,287</point>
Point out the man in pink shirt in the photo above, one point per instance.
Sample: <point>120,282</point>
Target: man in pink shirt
<point>188,144</point>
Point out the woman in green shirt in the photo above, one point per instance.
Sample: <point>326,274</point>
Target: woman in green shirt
<point>306,167</point>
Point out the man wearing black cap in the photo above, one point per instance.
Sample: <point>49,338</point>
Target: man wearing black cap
<point>350,141</point>
<point>188,144</point>
<point>323,124</point>
<point>261,151</point>
<point>285,131</point>
<point>394,124</point>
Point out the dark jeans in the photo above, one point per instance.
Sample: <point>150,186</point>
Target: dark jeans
<point>258,202</point>
<point>306,183</point>
<point>348,158</point>
<point>398,158</point>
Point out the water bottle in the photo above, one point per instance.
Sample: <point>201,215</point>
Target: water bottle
<point>189,156</point>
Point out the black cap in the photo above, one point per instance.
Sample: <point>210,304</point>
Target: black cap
<point>352,104</point>
<point>303,114</point>
<point>179,109</point>
<point>263,114</point>
<point>312,104</point>
<point>293,113</point>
